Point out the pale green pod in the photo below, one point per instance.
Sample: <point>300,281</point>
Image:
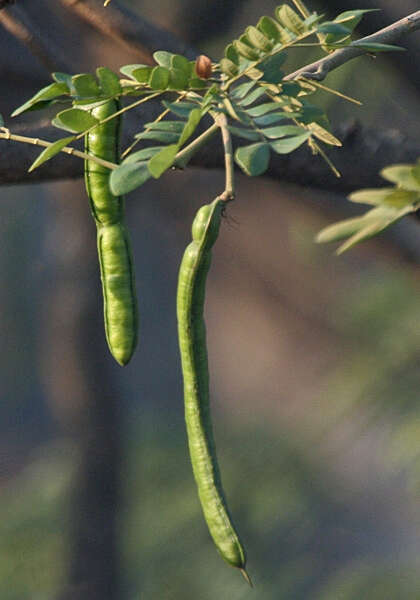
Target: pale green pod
<point>118,286</point>
<point>192,341</point>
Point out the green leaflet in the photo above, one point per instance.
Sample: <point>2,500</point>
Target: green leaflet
<point>52,91</point>
<point>253,159</point>
<point>129,175</point>
<point>75,120</point>
<point>51,151</point>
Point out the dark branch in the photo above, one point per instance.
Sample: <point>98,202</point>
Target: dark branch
<point>364,153</point>
<point>393,33</point>
<point>16,23</point>
<point>388,13</point>
<point>127,28</point>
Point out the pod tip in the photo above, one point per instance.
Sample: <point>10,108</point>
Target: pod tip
<point>246,577</point>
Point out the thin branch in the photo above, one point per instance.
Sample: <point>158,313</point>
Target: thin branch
<point>27,34</point>
<point>319,69</point>
<point>6,135</point>
<point>229,192</point>
<point>127,28</point>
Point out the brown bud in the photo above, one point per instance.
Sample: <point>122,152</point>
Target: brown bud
<point>203,66</point>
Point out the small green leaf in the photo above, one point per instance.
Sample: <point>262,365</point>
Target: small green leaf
<point>291,88</point>
<point>272,118</point>
<point>258,39</point>
<point>109,81</point>
<point>50,152</point>
<point>85,86</point>
<point>334,29</point>
<point>252,96</point>
<point>289,144</point>
<point>376,222</point>
<point>183,64</point>
<point>142,155</point>
<point>182,109</point>
<point>159,78</point>
<point>376,47</point>
<point>195,83</point>
<point>190,126</point>
<point>312,113</point>
<point>178,79</point>
<point>269,27</point>
<point>324,135</point>
<point>75,120</point>
<point>166,137</point>
<point>340,230</point>
<point>142,74</point>
<point>232,54</point>
<point>173,126</point>
<point>246,51</point>
<point>163,58</point>
<point>228,67</point>
<point>248,134</point>
<point>63,78</point>
<point>127,177</point>
<point>54,90</point>
<point>290,19</point>
<point>372,196</point>
<point>283,131</point>
<point>253,159</point>
<point>262,109</point>
<point>270,68</point>
<point>128,70</point>
<point>161,161</point>
<point>402,175</point>
<point>353,17</point>
<point>400,198</point>
<point>242,90</point>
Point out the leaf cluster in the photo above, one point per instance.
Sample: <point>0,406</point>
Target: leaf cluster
<point>248,86</point>
<point>390,205</point>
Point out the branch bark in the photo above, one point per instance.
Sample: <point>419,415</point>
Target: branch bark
<point>127,28</point>
<point>319,69</point>
<point>15,22</point>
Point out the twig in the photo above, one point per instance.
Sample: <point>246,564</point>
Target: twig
<point>6,135</point>
<point>319,69</point>
<point>184,156</point>
<point>229,192</point>
<point>127,28</point>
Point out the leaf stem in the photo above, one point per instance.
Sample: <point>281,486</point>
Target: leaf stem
<point>159,118</point>
<point>184,156</point>
<point>6,135</point>
<point>221,122</point>
<point>117,113</point>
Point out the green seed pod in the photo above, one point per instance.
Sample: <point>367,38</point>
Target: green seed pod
<point>192,340</point>
<point>118,287</point>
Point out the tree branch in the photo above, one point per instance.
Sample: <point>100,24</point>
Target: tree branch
<point>27,34</point>
<point>388,13</point>
<point>319,69</point>
<point>127,28</point>
<point>364,153</point>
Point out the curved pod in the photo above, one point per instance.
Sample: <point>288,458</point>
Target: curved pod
<point>118,286</point>
<point>192,340</point>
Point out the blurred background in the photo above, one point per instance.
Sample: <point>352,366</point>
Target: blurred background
<point>313,358</point>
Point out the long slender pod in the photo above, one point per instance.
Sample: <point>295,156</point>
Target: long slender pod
<point>192,341</point>
<point>118,287</point>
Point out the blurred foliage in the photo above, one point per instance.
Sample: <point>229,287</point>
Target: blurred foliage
<point>304,536</point>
